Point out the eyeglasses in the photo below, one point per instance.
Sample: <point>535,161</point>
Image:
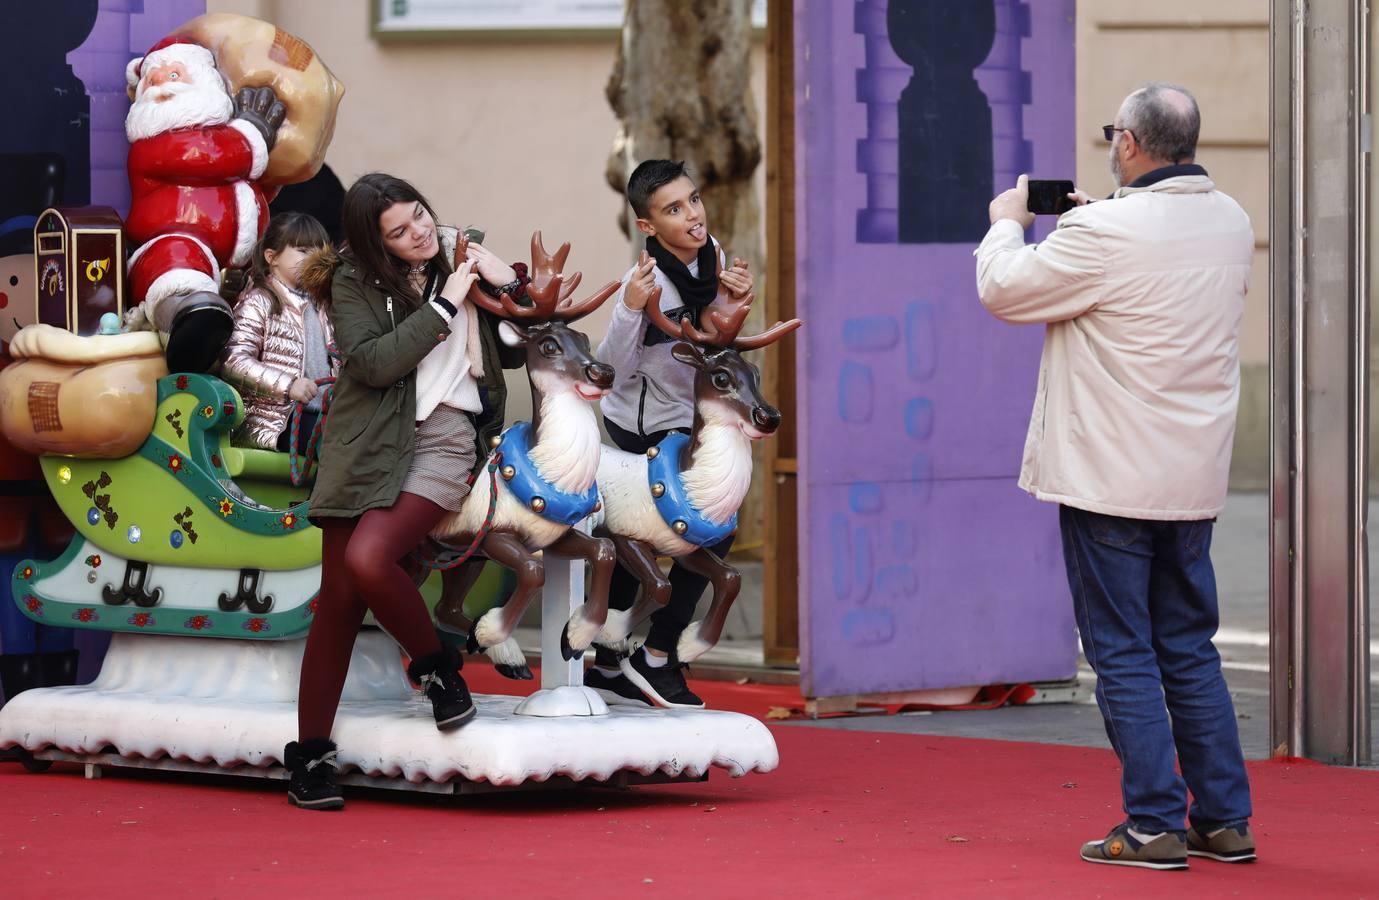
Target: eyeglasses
<point>1109,132</point>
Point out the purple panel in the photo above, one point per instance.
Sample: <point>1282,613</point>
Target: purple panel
<point>919,549</point>
<point>124,29</point>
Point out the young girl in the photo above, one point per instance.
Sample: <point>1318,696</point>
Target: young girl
<point>399,449</point>
<point>278,349</point>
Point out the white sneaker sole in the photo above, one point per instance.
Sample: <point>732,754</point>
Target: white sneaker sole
<point>1207,854</point>
<point>1139,864</point>
<point>613,698</point>
<point>645,687</point>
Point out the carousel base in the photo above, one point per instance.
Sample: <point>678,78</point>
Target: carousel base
<point>229,706</point>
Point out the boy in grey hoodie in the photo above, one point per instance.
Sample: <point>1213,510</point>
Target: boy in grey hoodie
<point>654,395</point>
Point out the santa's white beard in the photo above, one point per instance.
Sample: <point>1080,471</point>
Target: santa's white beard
<point>188,104</point>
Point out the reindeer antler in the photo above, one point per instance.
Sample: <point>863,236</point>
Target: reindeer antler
<point>722,321</point>
<point>549,290</point>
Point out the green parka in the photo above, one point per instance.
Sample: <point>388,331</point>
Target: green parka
<point>370,431</point>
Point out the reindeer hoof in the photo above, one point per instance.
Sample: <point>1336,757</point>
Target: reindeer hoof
<point>616,627</point>
<point>471,646</point>
<point>690,646</point>
<point>566,650</point>
<point>516,673</point>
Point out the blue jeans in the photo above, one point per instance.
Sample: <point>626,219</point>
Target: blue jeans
<point>1144,594</point>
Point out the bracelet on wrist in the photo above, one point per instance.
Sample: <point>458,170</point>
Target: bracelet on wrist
<point>514,289</point>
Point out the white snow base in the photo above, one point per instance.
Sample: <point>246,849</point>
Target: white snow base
<point>231,703</point>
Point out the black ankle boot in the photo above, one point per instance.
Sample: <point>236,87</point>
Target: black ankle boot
<point>311,769</point>
<point>439,676</point>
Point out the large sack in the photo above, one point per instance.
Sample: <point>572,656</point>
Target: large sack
<point>92,397</point>
<point>254,53</point>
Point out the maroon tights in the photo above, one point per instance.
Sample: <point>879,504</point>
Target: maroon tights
<point>361,571</point>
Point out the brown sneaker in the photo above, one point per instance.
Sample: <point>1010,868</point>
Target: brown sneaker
<point>1120,848</point>
<point>1231,845</point>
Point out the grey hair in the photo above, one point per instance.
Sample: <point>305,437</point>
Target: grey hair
<point>1161,127</point>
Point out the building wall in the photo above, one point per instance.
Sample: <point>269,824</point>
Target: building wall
<point>505,134</point>
<point>1219,51</point>
<point>471,154</point>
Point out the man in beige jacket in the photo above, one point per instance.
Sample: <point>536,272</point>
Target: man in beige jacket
<point>1141,296</point>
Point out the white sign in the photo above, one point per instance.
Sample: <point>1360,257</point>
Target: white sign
<point>401,16</point>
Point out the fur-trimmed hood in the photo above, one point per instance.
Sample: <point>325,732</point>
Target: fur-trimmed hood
<point>318,270</point>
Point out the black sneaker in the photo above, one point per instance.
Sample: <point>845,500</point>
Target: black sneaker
<point>664,686</point>
<point>617,690</point>
<point>438,674</point>
<point>311,769</point>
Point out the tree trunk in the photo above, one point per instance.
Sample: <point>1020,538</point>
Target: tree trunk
<point>681,88</point>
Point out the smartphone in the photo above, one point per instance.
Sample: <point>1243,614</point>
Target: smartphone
<point>1050,198</point>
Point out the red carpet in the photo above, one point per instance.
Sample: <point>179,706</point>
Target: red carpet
<point>847,814</point>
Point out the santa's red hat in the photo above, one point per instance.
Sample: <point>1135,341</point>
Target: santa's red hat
<point>173,48</point>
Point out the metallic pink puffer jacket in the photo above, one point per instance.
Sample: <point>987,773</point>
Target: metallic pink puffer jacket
<point>264,356</point>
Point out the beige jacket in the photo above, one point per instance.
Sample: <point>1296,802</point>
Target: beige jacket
<point>1142,297</point>
<point>265,355</point>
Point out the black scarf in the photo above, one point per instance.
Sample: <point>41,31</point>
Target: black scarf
<point>696,293</point>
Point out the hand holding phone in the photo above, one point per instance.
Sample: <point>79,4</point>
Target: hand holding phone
<point>1050,198</point>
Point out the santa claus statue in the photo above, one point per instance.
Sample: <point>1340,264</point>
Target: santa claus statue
<point>197,208</point>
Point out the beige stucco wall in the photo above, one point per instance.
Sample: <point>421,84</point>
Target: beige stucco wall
<point>508,135</point>
<point>1220,51</point>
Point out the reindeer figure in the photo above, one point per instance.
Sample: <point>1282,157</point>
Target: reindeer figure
<point>545,482</point>
<point>683,495</point>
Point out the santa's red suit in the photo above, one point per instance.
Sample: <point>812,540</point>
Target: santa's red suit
<point>196,207</point>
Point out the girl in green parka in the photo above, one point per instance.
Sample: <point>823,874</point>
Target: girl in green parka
<point>420,386</point>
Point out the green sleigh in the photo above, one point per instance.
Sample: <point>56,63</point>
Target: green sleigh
<point>188,535</point>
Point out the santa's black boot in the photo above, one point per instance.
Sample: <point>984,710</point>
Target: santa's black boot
<point>439,676</point>
<point>198,333</point>
<point>311,769</point>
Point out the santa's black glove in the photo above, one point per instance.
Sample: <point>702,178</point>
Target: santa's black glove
<point>261,108</point>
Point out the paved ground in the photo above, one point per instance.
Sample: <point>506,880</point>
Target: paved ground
<point>1240,552</point>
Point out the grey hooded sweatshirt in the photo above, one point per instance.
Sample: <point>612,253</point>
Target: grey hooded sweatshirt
<point>652,391</point>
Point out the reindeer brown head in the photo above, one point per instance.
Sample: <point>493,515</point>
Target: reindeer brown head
<point>722,376</point>
<point>557,354</point>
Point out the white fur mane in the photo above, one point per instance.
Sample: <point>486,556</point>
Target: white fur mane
<point>722,469</point>
<point>567,443</point>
